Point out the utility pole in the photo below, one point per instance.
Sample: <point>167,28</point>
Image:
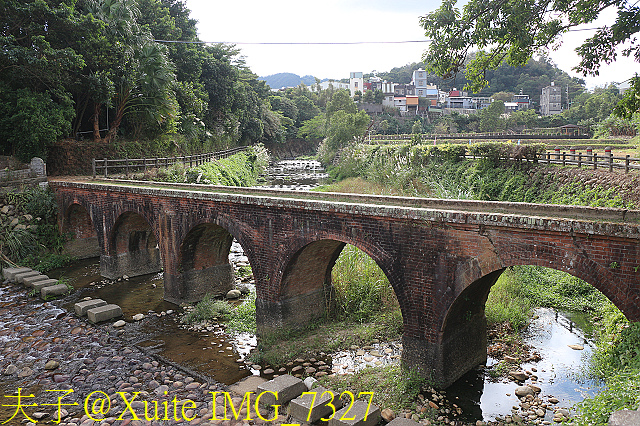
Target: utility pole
<point>568,103</point>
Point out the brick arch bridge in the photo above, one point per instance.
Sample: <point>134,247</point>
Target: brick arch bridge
<point>441,256</point>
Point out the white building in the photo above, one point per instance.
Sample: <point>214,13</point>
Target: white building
<point>324,85</point>
<point>551,100</point>
<point>356,82</point>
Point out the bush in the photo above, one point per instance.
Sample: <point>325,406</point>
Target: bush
<point>243,317</point>
<point>208,309</point>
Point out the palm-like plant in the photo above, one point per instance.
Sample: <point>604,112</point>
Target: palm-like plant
<point>15,243</point>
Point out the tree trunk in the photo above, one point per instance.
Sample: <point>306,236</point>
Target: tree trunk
<point>115,124</point>
<point>96,121</point>
<point>79,117</point>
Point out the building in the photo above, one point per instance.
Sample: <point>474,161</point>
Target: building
<point>510,107</point>
<point>419,81</point>
<point>356,83</point>
<point>551,100</point>
<point>522,100</point>
<point>460,102</point>
<point>324,85</point>
<point>404,90</point>
<point>482,102</point>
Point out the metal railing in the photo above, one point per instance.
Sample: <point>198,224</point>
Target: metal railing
<point>104,166</point>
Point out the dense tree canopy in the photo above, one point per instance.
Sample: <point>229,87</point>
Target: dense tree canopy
<point>96,68</point>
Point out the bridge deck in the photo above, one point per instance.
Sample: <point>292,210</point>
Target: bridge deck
<point>580,213</point>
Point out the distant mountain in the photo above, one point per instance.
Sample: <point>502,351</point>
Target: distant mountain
<point>287,79</point>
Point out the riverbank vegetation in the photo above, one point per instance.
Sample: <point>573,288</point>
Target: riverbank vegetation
<point>502,175</point>
<point>241,169</point>
<point>29,233</point>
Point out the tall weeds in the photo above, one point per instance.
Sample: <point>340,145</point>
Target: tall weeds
<point>361,288</point>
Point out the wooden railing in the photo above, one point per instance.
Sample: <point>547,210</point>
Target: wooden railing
<point>590,160</point>
<point>104,166</point>
<point>391,139</point>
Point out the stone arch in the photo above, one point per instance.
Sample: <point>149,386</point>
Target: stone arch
<point>132,248</point>
<point>78,225</point>
<point>304,284</point>
<point>203,263</point>
<point>463,326</point>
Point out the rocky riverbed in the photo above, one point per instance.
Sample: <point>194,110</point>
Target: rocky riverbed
<point>47,351</point>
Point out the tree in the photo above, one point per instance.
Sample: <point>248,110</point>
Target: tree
<point>346,127</point>
<point>512,31</point>
<point>630,103</point>
<point>36,69</point>
<point>503,96</point>
<point>341,101</point>
<point>368,97</point>
<point>313,128</point>
<point>597,104</point>
<point>490,117</point>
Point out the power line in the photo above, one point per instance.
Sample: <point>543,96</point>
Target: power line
<point>322,43</point>
<point>293,43</point>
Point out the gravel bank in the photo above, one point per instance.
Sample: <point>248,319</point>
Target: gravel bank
<point>46,351</point>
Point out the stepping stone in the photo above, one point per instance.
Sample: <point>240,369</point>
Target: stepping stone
<point>10,273</point>
<point>28,282</point>
<point>54,290</point>
<point>104,313</point>
<point>287,387</point>
<point>81,308</point>
<point>19,278</point>
<point>300,408</point>
<point>39,285</point>
<point>357,412</point>
<point>624,418</point>
<point>399,421</point>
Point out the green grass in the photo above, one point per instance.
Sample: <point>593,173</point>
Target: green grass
<point>392,386</point>
<point>243,317</point>
<point>622,392</point>
<point>506,303</point>
<point>356,185</point>
<point>208,309</point>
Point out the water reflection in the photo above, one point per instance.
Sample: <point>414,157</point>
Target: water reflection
<point>215,353</point>
<point>559,370</point>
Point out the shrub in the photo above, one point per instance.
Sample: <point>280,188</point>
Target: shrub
<point>208,309</point>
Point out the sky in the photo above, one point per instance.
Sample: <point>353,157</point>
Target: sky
<point>340,21</point>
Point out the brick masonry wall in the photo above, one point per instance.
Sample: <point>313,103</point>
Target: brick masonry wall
<point>69,157</point>
<point>430,256</point>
